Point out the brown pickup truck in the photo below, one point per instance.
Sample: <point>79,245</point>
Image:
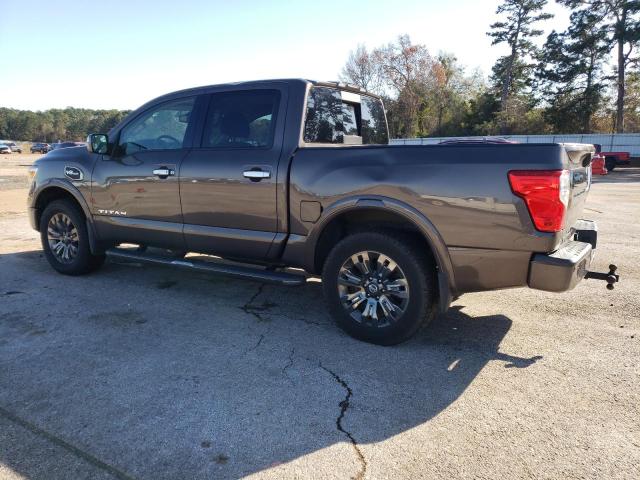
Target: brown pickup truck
<point>274,176</point>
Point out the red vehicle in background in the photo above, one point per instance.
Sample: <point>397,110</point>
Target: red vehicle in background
<point>598,165</point>
<point>613,159</point>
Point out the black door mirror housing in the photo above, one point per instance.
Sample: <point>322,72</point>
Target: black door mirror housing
<point>98,143</point>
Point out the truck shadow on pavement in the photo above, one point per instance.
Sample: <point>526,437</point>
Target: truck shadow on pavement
<point>143,372</point>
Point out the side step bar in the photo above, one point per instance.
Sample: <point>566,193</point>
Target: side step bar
<point>248,273</point>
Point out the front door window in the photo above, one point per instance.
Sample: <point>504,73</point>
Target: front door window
<point>161,128</point>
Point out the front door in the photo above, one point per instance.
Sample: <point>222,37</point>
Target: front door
<point>135,191</point>
<point>228,184</point>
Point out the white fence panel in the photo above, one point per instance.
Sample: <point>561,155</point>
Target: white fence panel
<point>620,142</point>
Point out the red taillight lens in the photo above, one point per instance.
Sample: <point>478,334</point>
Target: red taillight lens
<point>546,194</point>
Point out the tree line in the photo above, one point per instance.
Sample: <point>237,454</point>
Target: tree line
<point>50,126</point>
<point>568,85</point>
<point>584,79</point>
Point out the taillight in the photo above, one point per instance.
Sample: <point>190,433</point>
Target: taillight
<point>546,194</point>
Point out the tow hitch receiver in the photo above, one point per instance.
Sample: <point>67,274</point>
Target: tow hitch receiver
<point>611,278</point>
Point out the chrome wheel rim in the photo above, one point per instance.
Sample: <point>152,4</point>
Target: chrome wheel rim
<point>373,289</point>
<point>63,239</point>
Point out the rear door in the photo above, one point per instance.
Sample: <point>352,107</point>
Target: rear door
<point>135,190</point>
<point>228,184</point>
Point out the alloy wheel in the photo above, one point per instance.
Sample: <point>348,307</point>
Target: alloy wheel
<point>373,289</point>
<point>63,238</point>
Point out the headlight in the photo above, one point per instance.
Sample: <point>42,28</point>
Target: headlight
<point>31,174</point>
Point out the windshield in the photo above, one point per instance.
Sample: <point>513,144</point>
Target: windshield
<point>337,116</point>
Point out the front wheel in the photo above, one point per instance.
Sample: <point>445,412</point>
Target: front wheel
<point>65,240</point>
<point>380,287</point>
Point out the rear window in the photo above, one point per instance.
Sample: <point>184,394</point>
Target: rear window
<point>336,116</point>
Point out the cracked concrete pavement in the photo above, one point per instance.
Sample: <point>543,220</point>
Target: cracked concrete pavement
<point>344,406</point>
<point>152,373</point>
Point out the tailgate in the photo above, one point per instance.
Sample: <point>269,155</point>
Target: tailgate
<point>578,162</point>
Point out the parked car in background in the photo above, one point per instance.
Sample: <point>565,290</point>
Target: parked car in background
<point>613,159</point>
<point>598,165</point>
<point>13,146</point>
<point>40,148</point>
<point>5,148</point>
<point>597,162</point>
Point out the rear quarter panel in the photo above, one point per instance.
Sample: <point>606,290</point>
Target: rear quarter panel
<point>463,190</point>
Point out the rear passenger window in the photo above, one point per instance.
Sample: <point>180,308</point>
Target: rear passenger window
<point>244,119</point>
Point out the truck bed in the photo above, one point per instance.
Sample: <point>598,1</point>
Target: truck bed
<point>463,190</point>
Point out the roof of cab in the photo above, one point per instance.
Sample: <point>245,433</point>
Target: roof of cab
<point>257,83</point>
<point>302,82</point>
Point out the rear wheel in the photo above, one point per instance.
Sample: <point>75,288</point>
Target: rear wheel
<point>610,163</point>
<point>65,240</point>
<point>379,286</point>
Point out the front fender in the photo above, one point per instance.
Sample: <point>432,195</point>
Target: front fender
<point>66,185</point>
<point>35,194</point>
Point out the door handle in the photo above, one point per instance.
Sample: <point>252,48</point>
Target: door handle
<point>164,172</point>
<point>256,175</point>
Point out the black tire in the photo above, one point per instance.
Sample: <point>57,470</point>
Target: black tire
<point>610,163</point>
<point>83,262</point>
<point>417,268</point>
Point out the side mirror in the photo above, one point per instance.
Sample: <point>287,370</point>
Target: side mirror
<point>98,143</point>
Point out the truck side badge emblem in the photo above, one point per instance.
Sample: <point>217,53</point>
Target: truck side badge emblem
<point>73,173</point>
<point>113,213</point>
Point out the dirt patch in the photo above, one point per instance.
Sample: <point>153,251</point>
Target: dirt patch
<point>118,318</point>
<point>20,324</point>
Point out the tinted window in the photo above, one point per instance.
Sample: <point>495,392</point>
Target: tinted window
<point>161,128</point>
<point>241,119</point>
<point>336,117</point>
<point>374,122</point>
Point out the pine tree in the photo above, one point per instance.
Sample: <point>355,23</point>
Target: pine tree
<point>571,72</point>
<point>512,72</point>
<point>621,20</point>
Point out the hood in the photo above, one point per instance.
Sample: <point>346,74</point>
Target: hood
<point>70,154</point>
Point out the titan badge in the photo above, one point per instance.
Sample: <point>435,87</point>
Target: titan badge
<point>73,173</point>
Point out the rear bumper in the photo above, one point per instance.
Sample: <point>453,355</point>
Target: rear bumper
<point>563,269</point>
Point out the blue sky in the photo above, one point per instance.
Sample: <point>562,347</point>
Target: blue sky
<point>122,53</point>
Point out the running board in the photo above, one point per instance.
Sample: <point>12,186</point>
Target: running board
<point>247,273</point>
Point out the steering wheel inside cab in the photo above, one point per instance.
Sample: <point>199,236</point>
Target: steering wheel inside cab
<point>163,142</point>
<point>168,142</point>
